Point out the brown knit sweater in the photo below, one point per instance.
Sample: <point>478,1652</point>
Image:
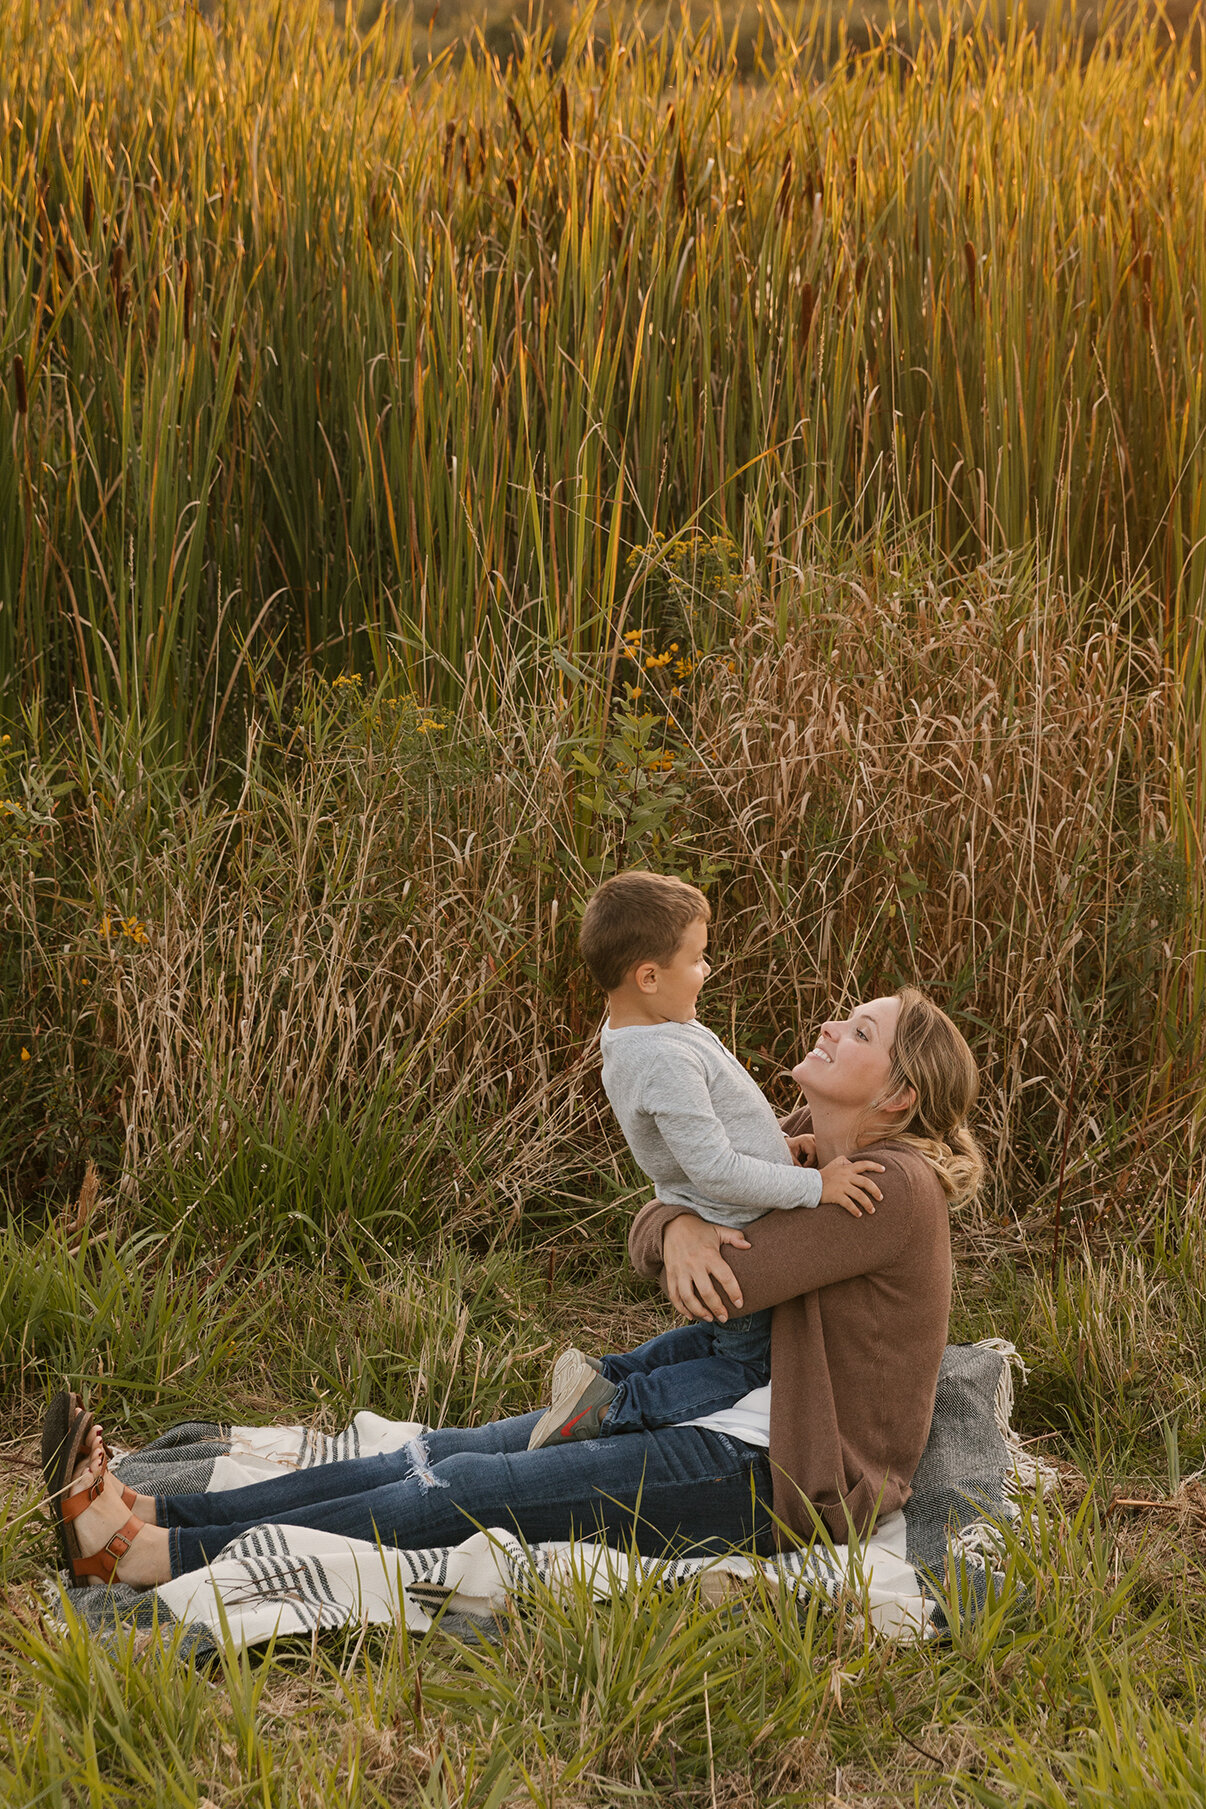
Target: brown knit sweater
<point>859,1326</point>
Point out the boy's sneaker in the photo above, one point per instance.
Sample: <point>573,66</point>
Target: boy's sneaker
<point>581,1396</point>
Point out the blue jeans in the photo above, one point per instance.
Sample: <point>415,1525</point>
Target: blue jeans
<point>683,1374</point>
<point>684,1489</point>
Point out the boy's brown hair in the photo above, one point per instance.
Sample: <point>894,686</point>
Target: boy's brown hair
<point>637,917</point>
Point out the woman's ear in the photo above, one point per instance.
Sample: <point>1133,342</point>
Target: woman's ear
<point>901,1101</point>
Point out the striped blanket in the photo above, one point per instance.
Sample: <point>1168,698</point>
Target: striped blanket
<point>276,1581</point>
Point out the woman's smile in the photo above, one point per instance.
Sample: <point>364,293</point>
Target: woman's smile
<point>857,1048</point>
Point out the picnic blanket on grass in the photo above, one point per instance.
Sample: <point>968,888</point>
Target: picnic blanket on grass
<point>280,1580</point>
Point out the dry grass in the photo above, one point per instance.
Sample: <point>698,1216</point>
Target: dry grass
<point>962,781</point>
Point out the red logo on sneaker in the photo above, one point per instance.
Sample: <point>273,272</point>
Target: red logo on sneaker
<point>570,1424</point>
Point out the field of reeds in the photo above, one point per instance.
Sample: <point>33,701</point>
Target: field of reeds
<point>431,479</point>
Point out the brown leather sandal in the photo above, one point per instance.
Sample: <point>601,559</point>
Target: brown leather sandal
<point>104,1562</point>
<point>64,1434</point>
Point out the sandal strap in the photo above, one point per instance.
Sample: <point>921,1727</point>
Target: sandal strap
<point>104,1562</point>
<point>72,1506</point>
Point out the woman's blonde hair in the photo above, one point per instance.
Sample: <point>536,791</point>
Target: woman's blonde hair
<point>930,1056</point>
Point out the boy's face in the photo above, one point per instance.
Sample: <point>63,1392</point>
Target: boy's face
<point>671,991</point>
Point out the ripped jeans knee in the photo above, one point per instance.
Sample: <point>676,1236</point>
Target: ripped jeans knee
<point>419,1466</point>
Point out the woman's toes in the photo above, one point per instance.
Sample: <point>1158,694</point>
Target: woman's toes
<point>87,1465</point>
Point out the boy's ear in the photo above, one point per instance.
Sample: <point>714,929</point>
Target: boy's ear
<point>645,975</point>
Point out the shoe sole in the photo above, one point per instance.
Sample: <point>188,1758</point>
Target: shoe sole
<point>562,1364</point>
<point>64,1430</point>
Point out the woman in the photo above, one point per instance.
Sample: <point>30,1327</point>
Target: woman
<point>860,1323</point>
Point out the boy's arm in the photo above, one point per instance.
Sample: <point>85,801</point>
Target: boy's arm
<point>676,1097</point>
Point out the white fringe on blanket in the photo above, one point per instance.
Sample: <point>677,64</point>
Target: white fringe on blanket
<point>983,1541</point>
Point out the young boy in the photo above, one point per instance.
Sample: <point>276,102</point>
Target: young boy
<point>705,1135</point>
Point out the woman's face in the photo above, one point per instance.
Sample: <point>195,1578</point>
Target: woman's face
<point>852,1061</point>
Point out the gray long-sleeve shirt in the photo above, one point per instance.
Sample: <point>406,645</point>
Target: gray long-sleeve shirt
<point>699,1126</point>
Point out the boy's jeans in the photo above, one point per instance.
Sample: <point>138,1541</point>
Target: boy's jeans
<point>684,1374</point>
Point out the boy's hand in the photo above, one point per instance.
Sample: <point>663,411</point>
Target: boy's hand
<point>844,1183</point>
<point>803,1149</point>
<point>728,1234</point>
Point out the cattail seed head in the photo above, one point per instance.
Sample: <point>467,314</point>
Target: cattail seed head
<point>517,121</point>
<point>783,201</point>
<point>563,115</point>
<point>187,308</point>
<point>20,385</point>
<point>89,207</point>
<point>969,258</point>
<point>807,305</point>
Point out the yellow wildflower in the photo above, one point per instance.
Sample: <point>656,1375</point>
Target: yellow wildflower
<point>25,1055</point>
<point>429,722</point>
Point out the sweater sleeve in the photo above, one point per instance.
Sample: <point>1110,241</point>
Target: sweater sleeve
<point>784,1260</point>
<point>678,1100</point>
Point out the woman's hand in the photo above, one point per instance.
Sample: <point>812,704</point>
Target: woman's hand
<point>693,1264</point>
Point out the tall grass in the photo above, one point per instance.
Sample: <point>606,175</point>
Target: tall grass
<point>389,358</point>
<point>401,363</point>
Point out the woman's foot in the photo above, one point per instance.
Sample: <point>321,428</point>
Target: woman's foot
<point>93,1452</point>
<point>134,1552</point>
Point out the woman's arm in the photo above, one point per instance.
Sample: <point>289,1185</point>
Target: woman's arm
<point>779,1257</point>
